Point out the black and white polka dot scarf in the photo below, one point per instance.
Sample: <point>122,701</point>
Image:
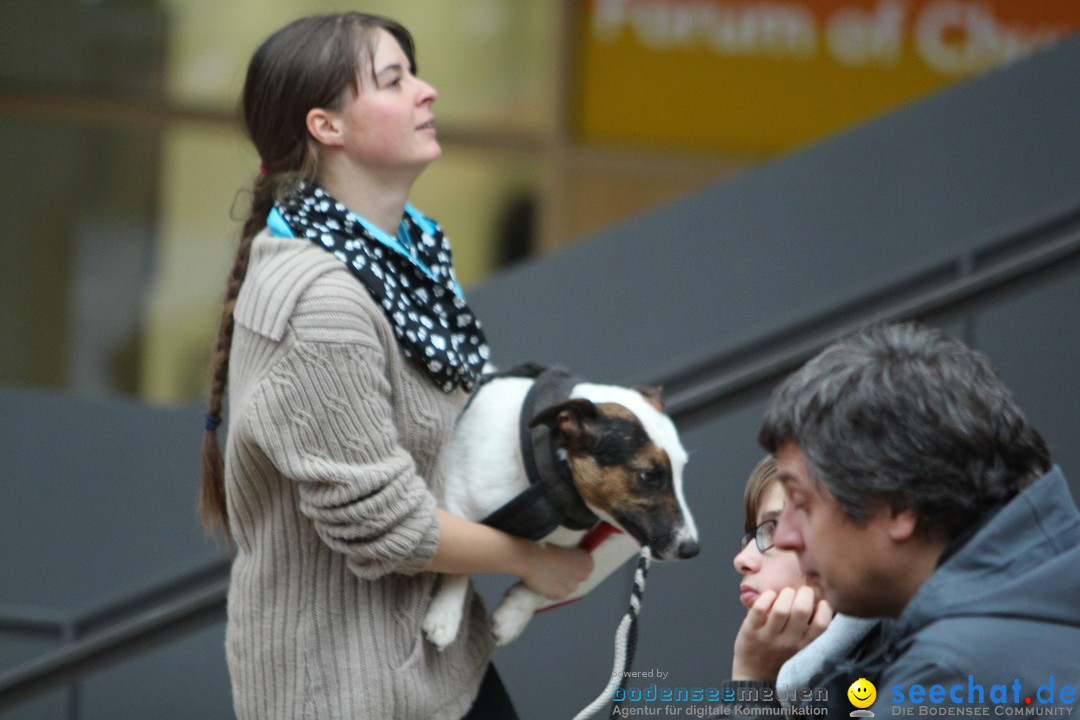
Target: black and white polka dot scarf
<point>418,292</point>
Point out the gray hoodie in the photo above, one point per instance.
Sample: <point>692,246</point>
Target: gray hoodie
<point>1003,611</point>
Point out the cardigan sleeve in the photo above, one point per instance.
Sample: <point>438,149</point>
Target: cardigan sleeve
<point>323,417</point>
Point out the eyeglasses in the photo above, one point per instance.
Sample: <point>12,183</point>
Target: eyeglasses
<point>762,536</point>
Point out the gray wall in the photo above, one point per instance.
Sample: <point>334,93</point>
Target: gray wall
<point>97,508</point>
<point>963,210</point>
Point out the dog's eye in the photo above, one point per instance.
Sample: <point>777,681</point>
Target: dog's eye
<point>651,477</point>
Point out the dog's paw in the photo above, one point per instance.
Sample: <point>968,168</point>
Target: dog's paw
<point>513,615</point>
<point>441,624</point>
<point>508,622</point>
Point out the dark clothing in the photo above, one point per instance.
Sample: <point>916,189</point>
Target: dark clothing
<point>998,622</point>
<point>492,702</point>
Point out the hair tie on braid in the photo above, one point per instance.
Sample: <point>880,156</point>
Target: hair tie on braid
<point>212,421</point>
<point>263,170</point>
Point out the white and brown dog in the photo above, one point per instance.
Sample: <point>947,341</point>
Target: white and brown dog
<point>552,458</point>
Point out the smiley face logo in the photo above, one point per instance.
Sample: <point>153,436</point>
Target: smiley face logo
<point>862,693</point>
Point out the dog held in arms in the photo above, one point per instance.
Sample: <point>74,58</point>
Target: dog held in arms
<point>547,456</point>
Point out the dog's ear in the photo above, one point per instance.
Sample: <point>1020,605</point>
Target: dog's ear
<point>574,420</point>
<point>652,395</point>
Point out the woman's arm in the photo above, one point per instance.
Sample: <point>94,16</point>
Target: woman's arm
<point>324,418</point>
<point>468,547</point>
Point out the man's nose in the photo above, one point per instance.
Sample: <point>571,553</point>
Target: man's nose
<point>786,536</point>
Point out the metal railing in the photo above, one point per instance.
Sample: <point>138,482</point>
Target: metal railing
<point>136,620</point>
<point>952,287</point>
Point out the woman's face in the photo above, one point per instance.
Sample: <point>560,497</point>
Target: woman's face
<point>389,126</point>
<point>773,569</point>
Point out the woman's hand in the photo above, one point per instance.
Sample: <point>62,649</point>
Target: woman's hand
<point>467,547</point>
<point>554,571</point>
<point>776,627</point>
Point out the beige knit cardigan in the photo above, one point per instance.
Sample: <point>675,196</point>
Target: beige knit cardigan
<point>333,468</point>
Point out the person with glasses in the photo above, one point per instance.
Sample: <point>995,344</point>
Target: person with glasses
<point>789,630</point>
<point>917,491</point>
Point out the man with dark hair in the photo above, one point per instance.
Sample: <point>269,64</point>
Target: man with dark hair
<point>917,492</point>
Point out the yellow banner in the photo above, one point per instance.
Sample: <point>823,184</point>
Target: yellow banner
<point>766,76</point>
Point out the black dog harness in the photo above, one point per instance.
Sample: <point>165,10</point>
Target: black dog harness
<point>552,498</point>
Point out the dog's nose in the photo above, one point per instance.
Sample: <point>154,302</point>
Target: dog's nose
<point>688,549</point>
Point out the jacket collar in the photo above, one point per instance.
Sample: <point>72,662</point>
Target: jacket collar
<point>276,278</point>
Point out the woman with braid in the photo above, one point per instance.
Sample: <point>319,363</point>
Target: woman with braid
<point>348,350</point>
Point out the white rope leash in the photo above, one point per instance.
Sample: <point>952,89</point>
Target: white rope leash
<point>625,639</point>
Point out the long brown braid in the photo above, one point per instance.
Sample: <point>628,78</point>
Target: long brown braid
<point>314,62</point>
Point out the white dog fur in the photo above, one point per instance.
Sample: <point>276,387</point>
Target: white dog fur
<point>485,471</point>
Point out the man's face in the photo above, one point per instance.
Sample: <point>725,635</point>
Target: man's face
<point>850,563</point>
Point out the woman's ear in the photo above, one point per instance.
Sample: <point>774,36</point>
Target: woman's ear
<point>324,126</point>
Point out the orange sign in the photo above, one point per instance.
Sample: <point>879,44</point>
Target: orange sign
<point>768,75</point>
